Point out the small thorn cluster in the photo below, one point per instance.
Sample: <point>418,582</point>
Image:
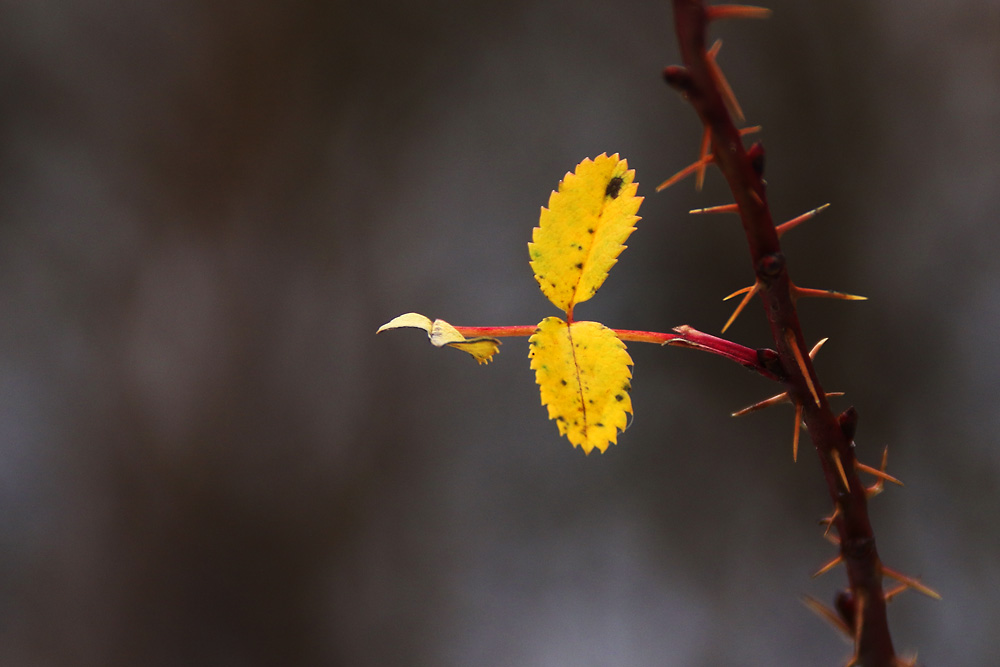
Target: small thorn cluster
<point>850,607</point>
<point>785,397</point>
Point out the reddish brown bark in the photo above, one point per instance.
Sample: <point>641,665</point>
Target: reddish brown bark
<point>863,607</point>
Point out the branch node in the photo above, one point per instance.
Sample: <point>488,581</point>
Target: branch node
<point>756,155</point>
<point>678,78</point>
<point>770,266</point>
<point>848,421</point>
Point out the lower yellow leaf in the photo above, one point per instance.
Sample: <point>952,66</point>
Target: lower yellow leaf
<point>441,333</point>
<point>582,370</point>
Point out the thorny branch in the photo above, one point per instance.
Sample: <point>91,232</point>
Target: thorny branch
<point>862,607</point>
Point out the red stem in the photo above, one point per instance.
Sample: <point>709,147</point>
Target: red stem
<point>832,439</point>
<point>761,361</point>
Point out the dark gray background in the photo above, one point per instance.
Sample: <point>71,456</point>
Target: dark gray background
<point>208,458</point>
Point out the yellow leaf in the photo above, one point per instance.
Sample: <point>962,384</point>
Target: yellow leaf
<point>582,232</point>
<point>441,333</point>
<point>582,370</point>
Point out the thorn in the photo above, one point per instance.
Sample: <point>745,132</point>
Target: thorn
<point>673,74</point>
<point>848,422</point>
<point>736,12</point>
<point>830,519</point>
<point>859,620</point>
<point>794,345</point>
<point>795,222</point>
<point>798,429</point>
<point>773,400</point>
<point>750,291</point>
<point>724,208</point>
<point>742,290</point>
<point>840,469</point>
<point>881,474</point>
<point>890,594</point>
<point>829,566</point>
<point>911,582</point>
<point>800,292</point>
<point>683,173</point>
<point>706,143</point>
<point>817,347</point>
<point>720,80</point>
<point>826,614</point>
<point>766,403</point>
<point>876,488</point>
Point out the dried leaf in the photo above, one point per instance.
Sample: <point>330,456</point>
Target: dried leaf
<point>582,370</point>
<point>441,333</point>
<point>582,232</point>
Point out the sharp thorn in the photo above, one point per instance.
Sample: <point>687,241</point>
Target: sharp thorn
<point>890,594</point>
<point>881,474</point>
<point>766,403</point>
<point>797,353</point>
<point>742,290</point>
<point>829,566</point>
<point>840,469</point>
<point>876,488</point>
<point>826,614</point>
<point>724,208</point>
<point>720,80</point>
<point>795,222</point>
<point>817,347</point>
<point>859,624</point>
<point>706,143</point>
<point>829,521</point>
<point>911,582</point>
<point>806,292</point>
<point>743,304</point>
<point>798,430</point>
<point>682,174</point>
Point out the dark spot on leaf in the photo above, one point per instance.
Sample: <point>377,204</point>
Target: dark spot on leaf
<point>590,230</point>
<point>579,265</point>
<point>564,383</point>
<point>619,397</point>
<point>614,187</point>
<point>599,424</point>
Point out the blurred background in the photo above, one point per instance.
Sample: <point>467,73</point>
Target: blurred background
<point>208,458</point>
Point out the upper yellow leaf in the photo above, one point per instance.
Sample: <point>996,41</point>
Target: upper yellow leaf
<point>582,232</point>
<point>441,333</point>
<point>582,370</point>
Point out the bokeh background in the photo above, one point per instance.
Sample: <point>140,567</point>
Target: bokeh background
<point>208,458</point>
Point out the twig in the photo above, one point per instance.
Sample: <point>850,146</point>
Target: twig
<point>699,83</point>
